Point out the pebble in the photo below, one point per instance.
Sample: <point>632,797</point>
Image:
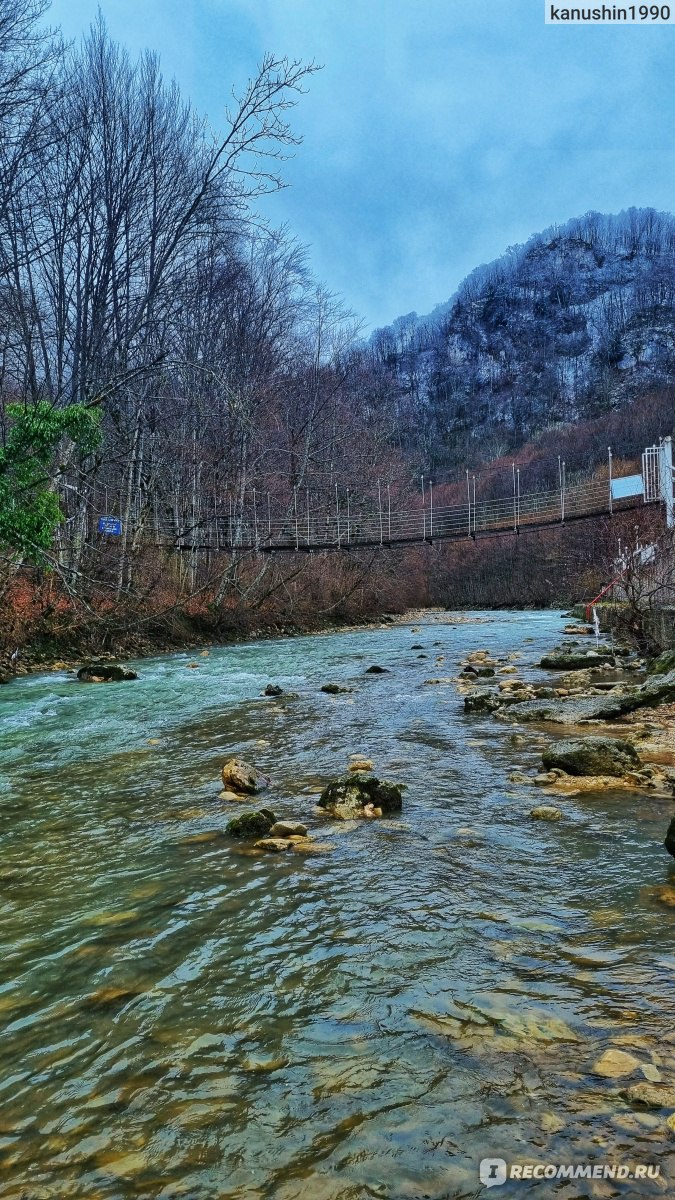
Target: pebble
<point>546,812</point>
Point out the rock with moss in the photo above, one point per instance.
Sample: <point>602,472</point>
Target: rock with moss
<point>253,824</point>
<point>663,664</point>
<point>577,662</point>
<point>592,756</point>
<point>361,795</point>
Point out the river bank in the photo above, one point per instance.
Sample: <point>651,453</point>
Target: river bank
<point>183,1018</point>
<point>37,658</point>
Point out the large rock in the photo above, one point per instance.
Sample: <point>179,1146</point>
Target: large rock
<point>253,824</point>
<point>241,777</point>
<point>105,673</point>
<point>670,838</point>
<point>577,662</point>
<point>361,795</point>
<point>592,756</point>
<point>663,664</point>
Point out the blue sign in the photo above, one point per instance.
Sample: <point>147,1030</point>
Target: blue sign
<point>110,525</point>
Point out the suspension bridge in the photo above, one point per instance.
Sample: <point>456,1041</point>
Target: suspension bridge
<point>346,521</point>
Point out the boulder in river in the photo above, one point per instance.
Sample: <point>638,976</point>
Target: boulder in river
<point>546,812</point>
<point>592,756</point>
<point>375,670</point>
<point>240,776</point>
<point>361,795</point>
<point>252,824</point>
<point>334,689</point>
<point>105,673</point>
<point>577,662</point>
<point>273,689</point>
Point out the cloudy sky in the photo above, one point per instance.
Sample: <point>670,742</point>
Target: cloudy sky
<point>438,133</point>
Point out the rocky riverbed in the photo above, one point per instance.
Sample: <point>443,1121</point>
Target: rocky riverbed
<point>381,999</point>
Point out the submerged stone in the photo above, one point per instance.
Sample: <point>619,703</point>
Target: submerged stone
<point>650,1095</point>
<point>615,1063</point>
<point>546,812</point>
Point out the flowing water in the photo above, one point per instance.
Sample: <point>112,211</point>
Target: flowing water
<point>180,1018</point>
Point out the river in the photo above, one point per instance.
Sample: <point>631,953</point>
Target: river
<point>182,1019</point>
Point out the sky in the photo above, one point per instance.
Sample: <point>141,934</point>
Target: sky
<point>437,134</point>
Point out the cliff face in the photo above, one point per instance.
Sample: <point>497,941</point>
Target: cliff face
<point>575,323</point>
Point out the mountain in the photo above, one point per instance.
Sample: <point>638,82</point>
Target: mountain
<point>571,325</point>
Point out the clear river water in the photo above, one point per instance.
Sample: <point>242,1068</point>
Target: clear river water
<point>183,1019</point>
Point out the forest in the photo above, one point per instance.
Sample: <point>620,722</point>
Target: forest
<point>170,369</point>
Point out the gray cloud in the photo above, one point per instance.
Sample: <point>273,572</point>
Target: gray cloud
<point>438,133</point>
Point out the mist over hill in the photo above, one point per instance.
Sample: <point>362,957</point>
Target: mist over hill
<point>571,325</point>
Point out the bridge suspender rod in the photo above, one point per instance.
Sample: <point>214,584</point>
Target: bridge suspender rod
<point>518,499</point>
<point>424,514</point>
<point>389,510</point>
<point>295,510</point>
<point>609,459</point>
<point>379,507</point>
<point>309,536</point>
<point>349,532</point>
<point>337,514</point>
<point>563,493</point>
<point>255,521</point>
<point>515,521</point>
<point>474,507</point>
<point>468,497</point>
<point>269,519</point>
<point>431,502</point>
